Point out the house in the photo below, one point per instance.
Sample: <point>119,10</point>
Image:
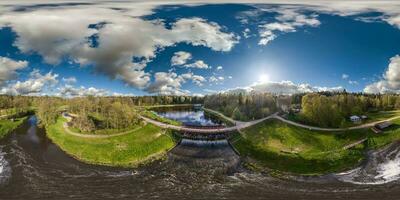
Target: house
<point>378,128</point>
<point>364,117</point>
<point>355,119</point>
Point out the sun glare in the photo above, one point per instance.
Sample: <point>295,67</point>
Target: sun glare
<point>263,78</point>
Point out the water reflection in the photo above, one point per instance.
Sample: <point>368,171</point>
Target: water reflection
<point>189,116</point>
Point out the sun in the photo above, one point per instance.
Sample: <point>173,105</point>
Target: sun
<point>263,78</point>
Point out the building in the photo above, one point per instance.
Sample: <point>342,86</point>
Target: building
<point>378,128</point>
<point>355,119</point>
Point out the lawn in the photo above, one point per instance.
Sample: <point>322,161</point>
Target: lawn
<point>7,126</point>
<point>127,150</point>
<point>283,147</point>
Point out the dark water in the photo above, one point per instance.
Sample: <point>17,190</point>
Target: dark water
<point>189,116</point>
<point>34,168</point>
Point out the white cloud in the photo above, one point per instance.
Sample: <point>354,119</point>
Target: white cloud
<point>390,82</point>
<point>35,85</point>
<point>282,87</point>
<point>351,82</point>
<point>69,80</point>
<point>70,91</point>
<point>219,68</point>
<point>199,64</point>
<point>288,20</point>
<point>180,58</point>
<point>216,79</point>
<point>246,33</point>
<point>196,79</point>
<point>122,37</point>
<point>9,68</point>
<point>345,76</point>
<point>167,83</point>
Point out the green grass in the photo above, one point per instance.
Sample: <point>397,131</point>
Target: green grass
<point>388,136</point>
<point>372,117</point>
<point>152,115</point>
<point>282,147</point>
<point>7,126</point>
<point>127,150</point>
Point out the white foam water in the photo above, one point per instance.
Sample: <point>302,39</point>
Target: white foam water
<point>5,170</point>
<point>382,167</point>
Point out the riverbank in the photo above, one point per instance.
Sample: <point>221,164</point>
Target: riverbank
<point>282,147</point>
<point>138,147</point>
<point>7,126</point>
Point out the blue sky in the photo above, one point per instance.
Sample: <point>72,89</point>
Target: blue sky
<point>125,48</point>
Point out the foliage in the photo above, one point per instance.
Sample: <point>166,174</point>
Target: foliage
<point>166,100</point>
<point>95,113</point>
<point>241,106</point>
<point>332,110</point>
<point>47,110</point>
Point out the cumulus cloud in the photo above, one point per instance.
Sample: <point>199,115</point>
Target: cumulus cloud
<point>170,83</point>
<point>180,58</point>
<point>35,85</point>
<point>219,68</point>
<point>283,87</point>
<point>216,80</point>
<point>71,91</point>
<point>199,64</point>
<point>167,83</point>
<point>69,80</point>
<point>9,68</point>
<point>196,79</point>
<point>345,76</point>
<point>287,20</point>
<point>124,42</point>
<point>390,82</point>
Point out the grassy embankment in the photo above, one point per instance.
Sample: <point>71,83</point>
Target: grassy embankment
<point>152,115</point>
<point>131,149</point>
<point>7,126</point>
<point>372,117</point>
<point>282,147</point>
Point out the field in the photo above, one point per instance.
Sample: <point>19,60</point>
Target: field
<point>283,147</point>
<point>127,150</point>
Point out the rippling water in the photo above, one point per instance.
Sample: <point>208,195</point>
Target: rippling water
<point>34,168</point>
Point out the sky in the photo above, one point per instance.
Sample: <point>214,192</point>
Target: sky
<point>79,48</point>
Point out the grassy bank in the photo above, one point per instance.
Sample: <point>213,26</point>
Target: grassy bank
<point>127,150</point>
<point>7,126</point>
<point>279,146</point>
<point>152,115</point>
<point>372,117</point>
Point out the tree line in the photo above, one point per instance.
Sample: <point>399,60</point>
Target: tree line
<point>334,109</point>
<point>242,106</point>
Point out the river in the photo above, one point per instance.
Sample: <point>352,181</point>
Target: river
<point>32,167</point>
